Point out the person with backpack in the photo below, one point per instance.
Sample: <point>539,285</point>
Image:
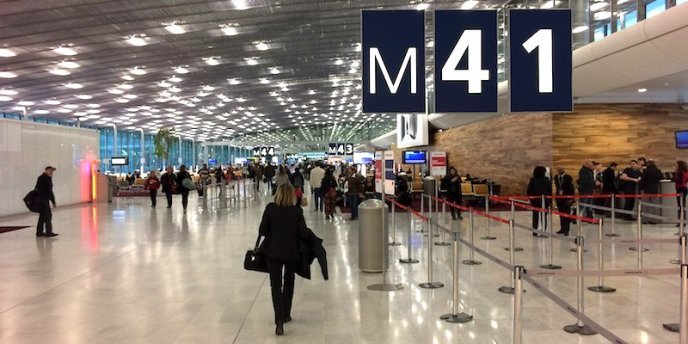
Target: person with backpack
<point>183,189</point>
<point>44,187</point>
<point>153,184</point>
<point>452,183</point>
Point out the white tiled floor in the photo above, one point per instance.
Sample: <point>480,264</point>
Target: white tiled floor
<point>123,273</point>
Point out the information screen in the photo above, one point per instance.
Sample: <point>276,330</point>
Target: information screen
<point>682,139</point>
<point>119,161</point>
<point>414,157</point>
<point>364,157</point>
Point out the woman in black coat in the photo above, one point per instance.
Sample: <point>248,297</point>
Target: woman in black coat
<point>564,204</point>
<point>282,226</point>
<point>539,185</point>
<point>452,183</point>
<point>183,174</point>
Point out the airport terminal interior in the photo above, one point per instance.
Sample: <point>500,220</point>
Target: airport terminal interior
<point>418,171</point>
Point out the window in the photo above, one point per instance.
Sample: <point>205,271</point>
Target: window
<point>654,8</point>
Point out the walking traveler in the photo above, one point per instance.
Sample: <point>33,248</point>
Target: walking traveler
<point>539,185</point>
<point>183,189</point>
<point>681,180</point>
<point>564,204</point>
<point>586,185</point>
<point>153,184</point>
<point>44,186</point>
<point>452,183</point>
<point>269,176</point>
<point>258,171</point>
<point>282,226</point>
<point>168,181</point>
<point>650,185</point>
<point>629,185</point>
<point>355,183</point>
<point>317,174</point>
<point>282,177</point>
<point>328,188</point>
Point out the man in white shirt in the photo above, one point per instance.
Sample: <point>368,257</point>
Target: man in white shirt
<point>317,175</point>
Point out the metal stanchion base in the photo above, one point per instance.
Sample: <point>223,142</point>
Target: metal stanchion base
<point>612,235</point>
<point>574,250</point>
<point>442,243</point>
<point>550,267</point>
<point>394,243</point>
<point>672,327</point>
<point>635,249</point>
<point>408,261</point>
<point>431,285</point>
<point>675,261</point>
<point>488,237</point>
<point>421,231</point>
<point>457,318</point>
<point>507,290</point>
<point>581,330</point>
<point>516,249</point>
<point>471,262</point>
<point>602,289</point>
<point>386,287</point>
<point>434,235</point>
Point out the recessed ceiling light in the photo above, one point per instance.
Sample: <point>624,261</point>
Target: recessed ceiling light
<point>63,110</point>
<point>71,106</point>
<point>41,112</point>
<point>69,64</point>
<point>422,6</point>
<point>115,91</point>
<point>130,96</point>
<point>7,75</point>
<point>4,52</point>
<point>25,103</point>
<point>174,28</point>
<point>93,106</point>
<point>5,98</point>
<point>62,50</point>
<point>73,85</point>
<point>212,61</point>
<point>125,86</point>
<point>127,77</point>
<point>208,88</point>
<point>229,29</point>
<point>122,100</point>
<point>274,70</point>
<point>262,46</point>
<point>175,78</point>
<point>138,71</point>
<point>596,6</point>
<point>233,81</point>
<point>240,4</point>
<point>5,92</point>
<point>642,90</point>
<point>181,70</point>
<point>60,72</point>
<point>137,40</point>
<point>52,102</point>
<point>251,61</point>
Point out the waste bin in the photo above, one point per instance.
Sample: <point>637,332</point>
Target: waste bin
<point>429,186</point>
<point>370,238</point>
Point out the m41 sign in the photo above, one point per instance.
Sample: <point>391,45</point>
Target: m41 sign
<point>465,69</point>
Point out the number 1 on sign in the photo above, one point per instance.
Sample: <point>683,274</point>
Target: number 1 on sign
<point>543,41</point>
<point>471,43</point>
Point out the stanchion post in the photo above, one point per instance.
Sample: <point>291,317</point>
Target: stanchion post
<point>488,236</point>
<point>422,203</point>
<point>443,241</point>
<point>579,224</point>
<point>600,287</point>
<point>455,316</point>
<point>613,229</point>
<point>408,259</point>
<point>510,289</point>
<point>518,306</point>
<point>681,327</point>
<point>639,236</point>
<point>471,229</point>
<point>394,225</point>
<point>430,284</point>
<point>550,242</point>
<point>580,327</point>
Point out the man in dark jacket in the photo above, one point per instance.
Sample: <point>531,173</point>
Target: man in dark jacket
<point>44,186</point>
<point>609,183</point>
<point>650,184</point>
<point>167,181</point>
<point>586,185</point>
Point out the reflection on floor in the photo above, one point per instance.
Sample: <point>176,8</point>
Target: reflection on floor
<point>126,273</point>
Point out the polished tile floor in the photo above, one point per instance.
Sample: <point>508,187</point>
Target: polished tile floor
<point>125,273</point>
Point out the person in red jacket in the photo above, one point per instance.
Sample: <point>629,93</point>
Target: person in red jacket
<point>153,184</point>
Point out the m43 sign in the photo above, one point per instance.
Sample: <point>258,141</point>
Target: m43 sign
<point>465,67</point>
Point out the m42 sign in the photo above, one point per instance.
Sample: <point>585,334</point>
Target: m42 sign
<point>465,68</point>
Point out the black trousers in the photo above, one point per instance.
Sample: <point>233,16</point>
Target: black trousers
<point>168,195</point>
<point>536,214</point>
<point>681,196</point>
<point>629,203</point>
<point>456,199</point>
<point>185,198</point>
<point>282,286</point>
<point>45,220</point>
<point>564,206</point>
<point>154,197</point>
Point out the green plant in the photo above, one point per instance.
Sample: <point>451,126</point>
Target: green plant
<point>163,141</point>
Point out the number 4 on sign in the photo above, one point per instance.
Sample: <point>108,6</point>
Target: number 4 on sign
<point>471,43</point>
<point>543,41</point>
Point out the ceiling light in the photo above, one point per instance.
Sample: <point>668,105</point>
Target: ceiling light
<point>262,46</point>
<point>642,90</point>
<point>240,4</point>
<point>208,88</point>
<point>130,96</point>
<point>115,91</point>
<point>234,81</point>
<point>4,52</point>
<point>137,40</point>
<point>274,70</point>
<point>422,6</point>
<point>175,78</point>
<point>122,100</point>
<point>71,106</point>
<point>174,28</point>
<point>69,64</point>
<point>602,15</point>
<point>264,81</point>
<point>181,70</point>
<point>62,50</point>
<point>174,89</point>
<point>58,71</point>
<point>5,98</point>
<point>338,62</point>
<point>52,102</point>
<point>579,29</point>
<point>64,110</point>
<point>25,103</point>
<point>138,71</point>
<point>229,29</point>
<point>467,5</point>
<point>127,77</point>
<point>93,106</point>
<point>596,6</point>
<point>41,112</point>
<point>125,86</point>
<point>211,61</point>
<point>5,92</point>
<point>73,86</point>
<point>251,61</point>
<point>7,75</point>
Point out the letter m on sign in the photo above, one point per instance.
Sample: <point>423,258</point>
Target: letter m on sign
<point>393,46</point>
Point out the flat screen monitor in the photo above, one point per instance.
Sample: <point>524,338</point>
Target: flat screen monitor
<point>364,157</point>
<point>119,161</point>
<point>414,157</point>
<point>682,139</point>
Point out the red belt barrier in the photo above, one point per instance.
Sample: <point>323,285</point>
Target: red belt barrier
<point>413,212</point>
<point>520,205</point>
<point>576,217</point>
<point>647,195</point>
<point>451,204</point>
<point>491,217</point>
<point>506,198</point>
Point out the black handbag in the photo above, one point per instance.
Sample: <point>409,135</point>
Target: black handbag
<point>32,201</point>
<point>255,260</point>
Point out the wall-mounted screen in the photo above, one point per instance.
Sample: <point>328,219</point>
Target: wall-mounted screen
<point>682,139</point>
<point>414,157</point>
<point>119,161</point>
<point>364,157</point>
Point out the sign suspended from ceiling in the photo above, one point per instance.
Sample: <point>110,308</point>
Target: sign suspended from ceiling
<point>412,130</point>
<point>340,149</point>
<point>465,70</point>
<point>263,151</point>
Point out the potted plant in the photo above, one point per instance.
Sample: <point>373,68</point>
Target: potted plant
<point>163,141</point>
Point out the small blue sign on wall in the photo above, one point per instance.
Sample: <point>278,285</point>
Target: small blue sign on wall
<point>541,65</point>
<point>465,61</point>
<point>393,61</point>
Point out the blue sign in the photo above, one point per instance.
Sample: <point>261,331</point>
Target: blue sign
<point>393,61</point>
<point>332,149</point>
<point>465,61</point>
<point>540,60</point>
